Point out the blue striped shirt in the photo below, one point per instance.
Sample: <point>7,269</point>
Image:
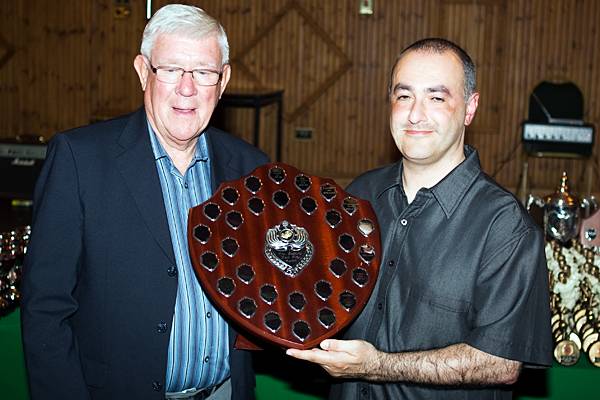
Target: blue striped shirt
<point>199,344</point>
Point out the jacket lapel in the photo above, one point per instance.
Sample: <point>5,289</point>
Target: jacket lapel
<point>136,162</point>
<point>220,156</point>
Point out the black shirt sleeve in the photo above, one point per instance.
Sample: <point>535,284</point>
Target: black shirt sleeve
<point>512,301</point>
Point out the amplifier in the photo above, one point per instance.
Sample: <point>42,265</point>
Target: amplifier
<point>558,139</point>
<point>20,165</point>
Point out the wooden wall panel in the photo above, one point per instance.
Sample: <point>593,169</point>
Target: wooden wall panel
<point>44,85</point>
<point>482,37</point>
<point>115,42</point>
<point>72,63</point>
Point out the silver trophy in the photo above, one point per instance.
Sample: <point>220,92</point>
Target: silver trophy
<point>13,246</point>
<point>561,213</point>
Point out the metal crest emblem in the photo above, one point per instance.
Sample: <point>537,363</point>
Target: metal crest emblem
<point>287,247</point>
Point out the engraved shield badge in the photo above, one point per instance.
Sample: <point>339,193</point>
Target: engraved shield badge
<point>288,257</point>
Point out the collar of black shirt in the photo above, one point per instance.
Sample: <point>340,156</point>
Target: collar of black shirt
<point>449,191</point>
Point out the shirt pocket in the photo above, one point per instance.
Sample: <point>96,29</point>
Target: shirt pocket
<point>445,303</point>
<point>430,321</point>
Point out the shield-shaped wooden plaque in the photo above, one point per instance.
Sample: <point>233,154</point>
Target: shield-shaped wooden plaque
<point>289,257</point>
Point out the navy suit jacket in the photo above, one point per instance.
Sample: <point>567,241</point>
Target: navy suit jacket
<point>97,278</point>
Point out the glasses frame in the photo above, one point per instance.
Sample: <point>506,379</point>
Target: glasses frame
<point>183,72</point>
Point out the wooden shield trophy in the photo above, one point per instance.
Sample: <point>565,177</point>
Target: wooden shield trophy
<point>289,257</point>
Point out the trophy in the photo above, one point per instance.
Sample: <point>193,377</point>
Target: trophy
<point>589,234</point>
<point>567,343</point>
<point>13,246</point>
<point>561,217</point>
<point>288,257</point>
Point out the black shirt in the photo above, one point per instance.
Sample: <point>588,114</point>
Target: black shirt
<point>462,263</point>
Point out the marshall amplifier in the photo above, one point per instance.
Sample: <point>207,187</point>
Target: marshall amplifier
<point>20,165</point>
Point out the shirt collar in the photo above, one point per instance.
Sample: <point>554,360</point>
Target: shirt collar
<point>200,154</point>
<point>449,191</point>
<point>392,178</point>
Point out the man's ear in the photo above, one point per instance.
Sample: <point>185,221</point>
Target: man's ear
<point>140,66</point>
<point>472,104</point>
<point>225,78</point>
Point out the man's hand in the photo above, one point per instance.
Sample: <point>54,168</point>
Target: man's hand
<point>457,364</point>
<point>342,358</point>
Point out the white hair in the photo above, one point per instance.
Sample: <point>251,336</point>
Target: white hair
<point>188,21</point>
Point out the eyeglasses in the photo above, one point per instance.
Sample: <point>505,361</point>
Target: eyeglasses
<point>202,77</point>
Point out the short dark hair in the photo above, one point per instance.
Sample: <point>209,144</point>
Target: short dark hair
<point>440,45</point>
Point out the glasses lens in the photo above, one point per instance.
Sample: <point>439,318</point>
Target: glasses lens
<point>168,75</point>
<point>205,77</point>
<point>202,77</point>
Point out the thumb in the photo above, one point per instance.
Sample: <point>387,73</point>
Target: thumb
<point>334,345</point>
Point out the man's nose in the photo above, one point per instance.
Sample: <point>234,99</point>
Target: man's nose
<point>187,86</point>
<point>417,113</point>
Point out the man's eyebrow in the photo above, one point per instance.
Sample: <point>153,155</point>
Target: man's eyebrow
<point>401,86</point>
<point>439,88</point>
<point>433,89</point>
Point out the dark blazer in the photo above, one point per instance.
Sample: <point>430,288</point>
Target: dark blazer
<point>98,276</point>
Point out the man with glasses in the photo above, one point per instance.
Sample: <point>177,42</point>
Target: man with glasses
<point>111,306</point>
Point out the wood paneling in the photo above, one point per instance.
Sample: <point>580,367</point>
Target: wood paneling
<point>44,85</point>
<point>115,42</point>
<point>71,63</point>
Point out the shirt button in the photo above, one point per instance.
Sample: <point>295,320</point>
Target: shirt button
<point>403,222</point>
<point>379,306</point>
<point>185,185</point>
<point>391,263</point>
<point>172,270</point>
<point>206,359</point>
<point>208,315</point>
<point>364,391</point>
<point>156,386</point>
<point>161,327</point>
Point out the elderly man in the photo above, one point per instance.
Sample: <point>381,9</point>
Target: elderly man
<point>461,302</point>
<point>111,307</point>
